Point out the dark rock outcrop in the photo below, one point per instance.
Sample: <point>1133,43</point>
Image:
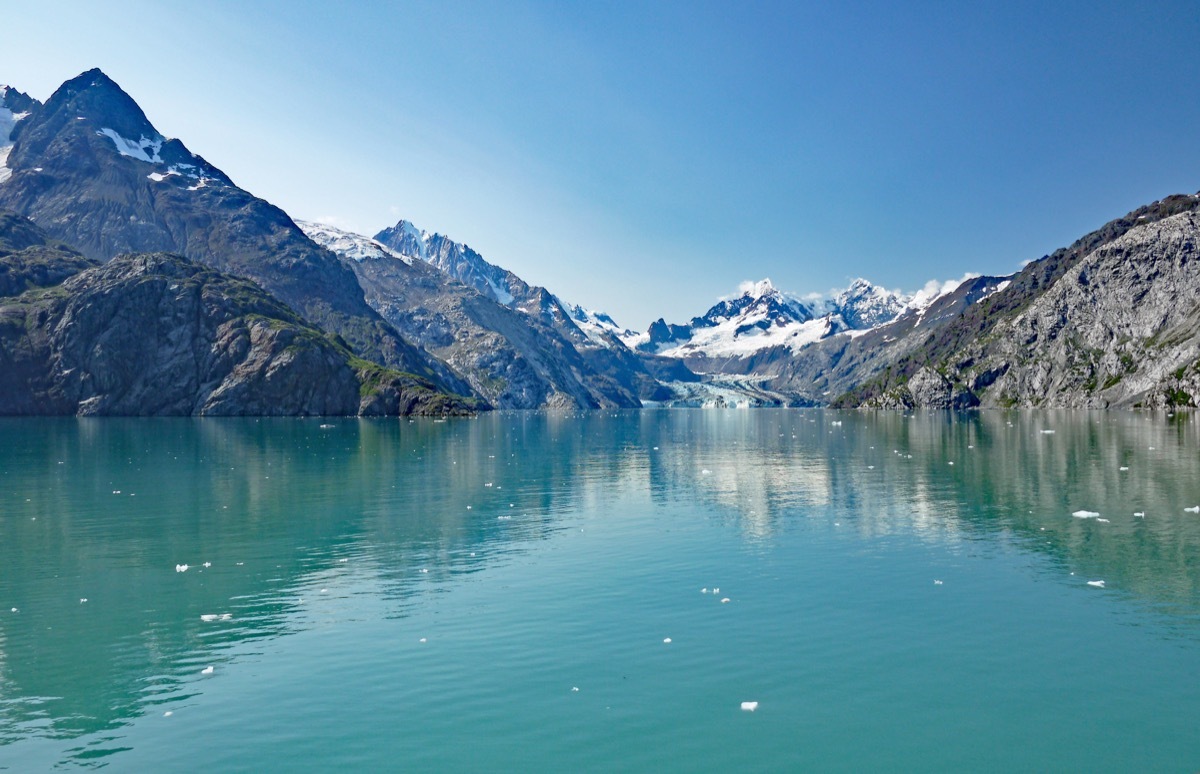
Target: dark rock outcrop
<point>1112,320</point>
<point>156,334</point>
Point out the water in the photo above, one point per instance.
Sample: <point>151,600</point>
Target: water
<point>429,595</point>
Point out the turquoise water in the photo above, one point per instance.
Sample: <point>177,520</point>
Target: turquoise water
<point>397,595</point>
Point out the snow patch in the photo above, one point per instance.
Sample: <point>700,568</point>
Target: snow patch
<point>501,294</point>
<point>5,172</point>
<point>355,247</point>
<point>135,150</point>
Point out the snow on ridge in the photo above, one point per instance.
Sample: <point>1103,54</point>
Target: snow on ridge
<point>502,295</point>
<point>763,287</point>
<point>135,150</point>
<point>347,244</point>
<point>597,326</point>
<point>8,120</point>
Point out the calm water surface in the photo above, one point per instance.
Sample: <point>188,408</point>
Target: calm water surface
<point>496,593</point>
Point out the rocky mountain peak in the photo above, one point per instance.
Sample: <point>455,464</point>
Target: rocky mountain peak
<point>865,305</point>
<point>95,98</point>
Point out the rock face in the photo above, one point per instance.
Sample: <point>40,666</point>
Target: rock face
<point>1111,321</point>
<point>90,169</point>
<point>511,357</point>
<point>156,334</point>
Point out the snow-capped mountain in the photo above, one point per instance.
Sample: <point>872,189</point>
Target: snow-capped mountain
<point>601,328</point>
<point>456,259</point>
<point>89,167</point>
<point>763,317</point>
<point>530,355</point>
<point>864,305</point>
<point>14,106</point>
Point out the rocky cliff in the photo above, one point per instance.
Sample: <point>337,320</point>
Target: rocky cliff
<point>156,334</point>
<point>1112,320</point>
<point>513,358</point>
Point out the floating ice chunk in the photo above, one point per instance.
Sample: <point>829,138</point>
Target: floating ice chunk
<point>1123,468</point>
<point>1194,509</point>
<point>181,568</point>
<point>208,564</point>
<point>1140,514</point>
<point>324,591</point>
<point>422,640</point>
<point>1047,432</point>
<point>706,472</point>
<point>574,689</point>
<point>724,600</point>
<point>168,714</point>
<point>667,640</point>
<point>716,591</point>
<point>937,583</point>
<point>704,590</point>
<point>340,560</point>
<point>749,706</point>
<point>952,462</point>
<point>209,617</point>
<point>1102,521</point>
<point>15,610</point>
<point>1085,514</point>
<point>206,671</point>
<point>82,600</point>
<point>1097,583</point>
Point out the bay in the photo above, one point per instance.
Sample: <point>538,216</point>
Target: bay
<point>905,592</point>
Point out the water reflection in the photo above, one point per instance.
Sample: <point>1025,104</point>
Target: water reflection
<point>289,514</point>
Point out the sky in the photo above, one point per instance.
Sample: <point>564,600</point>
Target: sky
<point>645,158</point>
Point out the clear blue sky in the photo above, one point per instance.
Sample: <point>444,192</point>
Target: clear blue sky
<point>645,158</point>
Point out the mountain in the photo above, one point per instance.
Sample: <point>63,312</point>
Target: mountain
<point>761,317</point>
<point>1111,320</point>
<point>14,107</point>
<point>457,260</point>
<point>512,357</point>
<point>603,354</point>
<point>91,169</point>
<point>156,334</point>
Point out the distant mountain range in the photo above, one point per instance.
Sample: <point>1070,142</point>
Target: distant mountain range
<point>137,278</point>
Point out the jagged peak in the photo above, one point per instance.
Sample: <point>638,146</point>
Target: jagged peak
<point>760,289</point>
<point>96,98</point>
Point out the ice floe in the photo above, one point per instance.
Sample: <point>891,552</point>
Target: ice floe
<point>1085,514</point>
<point>749,706</point>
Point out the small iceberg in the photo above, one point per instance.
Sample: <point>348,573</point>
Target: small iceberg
<point>181,568</point>
<point>1195,509</point>
<point>1097,583</point>
<point>749,706</point>
<point>206,671</point>
<point>1085,514</point>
